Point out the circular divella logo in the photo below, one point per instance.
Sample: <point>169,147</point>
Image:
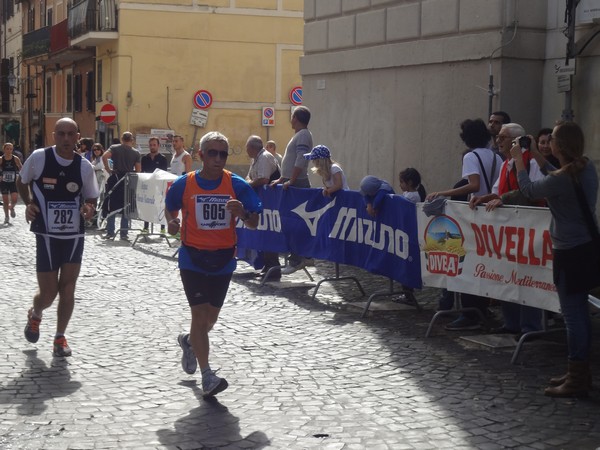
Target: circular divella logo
<point>72,187</point>
<point>443,247</point>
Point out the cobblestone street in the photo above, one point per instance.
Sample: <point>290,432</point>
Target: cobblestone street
<point>302,374</point>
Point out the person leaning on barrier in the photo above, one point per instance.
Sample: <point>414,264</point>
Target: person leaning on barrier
<point>373,191</point>
<point>330,171</point>
<point>506,188</point>
<point>517,318</point>
<point>571,193</point>
<point>294,171</point>
<point>150,162</point>
<point>125,159</point>
<point>60,191</point>
<point>263,169</point>
<point>210,201</point>
<point>480,168</point>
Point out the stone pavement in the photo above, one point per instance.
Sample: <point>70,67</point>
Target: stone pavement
<point>303,374</point>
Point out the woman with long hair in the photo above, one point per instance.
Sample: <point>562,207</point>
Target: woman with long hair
<point>571,193</point>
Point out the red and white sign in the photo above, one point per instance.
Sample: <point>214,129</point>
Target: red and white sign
<point>108,113</point>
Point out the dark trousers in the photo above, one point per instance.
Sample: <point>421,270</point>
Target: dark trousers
<point>474,301</point>
<point>271,259</point>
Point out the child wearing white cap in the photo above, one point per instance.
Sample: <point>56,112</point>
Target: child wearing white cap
<point>330,171</point>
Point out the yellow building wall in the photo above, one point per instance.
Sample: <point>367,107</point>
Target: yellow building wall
<point>245,61</point>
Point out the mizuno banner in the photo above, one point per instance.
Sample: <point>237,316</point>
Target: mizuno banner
<point>339,229</point>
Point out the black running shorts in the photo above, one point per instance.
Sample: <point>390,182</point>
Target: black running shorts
<point>8,188</point>
<point>52,253</point>
<point>201,288</point>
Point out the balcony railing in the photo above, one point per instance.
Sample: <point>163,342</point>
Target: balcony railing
<point>89,16</point>
<point>36,42</point>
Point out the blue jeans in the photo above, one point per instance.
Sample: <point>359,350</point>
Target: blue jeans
<point>575,311</point>
<point>521,318</point>
<point>110,225</point>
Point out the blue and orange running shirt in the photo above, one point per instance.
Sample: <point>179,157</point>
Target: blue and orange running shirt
<point>205,224</point>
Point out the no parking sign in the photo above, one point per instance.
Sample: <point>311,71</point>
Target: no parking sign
<point>203,99</point>
<point>296,95</point>
<point>268,116</point>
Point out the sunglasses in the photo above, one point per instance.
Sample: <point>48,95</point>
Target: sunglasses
<point>212,153</point>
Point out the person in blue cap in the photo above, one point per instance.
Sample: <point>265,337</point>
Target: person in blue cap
<point>329,170</point>
<point>374,190</point>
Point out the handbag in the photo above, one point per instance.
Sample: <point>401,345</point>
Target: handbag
<point>594,260</point>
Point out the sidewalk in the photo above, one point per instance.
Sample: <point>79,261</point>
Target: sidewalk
<point>302,374</point>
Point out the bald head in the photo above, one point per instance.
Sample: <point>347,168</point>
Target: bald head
<point>66,121</point>
<point>66,136</point>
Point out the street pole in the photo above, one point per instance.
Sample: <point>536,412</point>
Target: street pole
<point>567,113</point>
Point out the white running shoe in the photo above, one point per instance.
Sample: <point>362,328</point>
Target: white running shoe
<point>189,363</point>
<point>212,384</point>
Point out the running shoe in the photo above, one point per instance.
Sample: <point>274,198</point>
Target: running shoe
<point>6,220</point>
<point>61,348</point>
<point>188,359</point>
<point>13,214</point>
<point>32,329</point>
<point>212,384</point>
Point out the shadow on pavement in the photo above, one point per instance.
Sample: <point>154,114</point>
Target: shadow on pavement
<point>482,399</point>
<point>38,383</point>
<point>209,426</point>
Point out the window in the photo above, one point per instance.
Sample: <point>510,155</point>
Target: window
<point>99,96</point>
<point>49,94</point>
<point>69,92</point>
<point>77,93</point>
<point>9,6</point>
<point>31,19</point>
<point>49,18</point>
<point>90,100</point>
<point>42,13</point>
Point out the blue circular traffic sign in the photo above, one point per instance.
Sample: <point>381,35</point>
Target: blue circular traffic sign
<point>296,95</point>
<point>268,112</point>
<point>203,99</point>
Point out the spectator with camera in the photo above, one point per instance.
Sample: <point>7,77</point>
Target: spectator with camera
<point>571,193</point>
<point>517,318</point>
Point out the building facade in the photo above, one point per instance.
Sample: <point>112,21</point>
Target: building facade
<point>389,81</point>
<point>149,58</point>
<point>10,72</point>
